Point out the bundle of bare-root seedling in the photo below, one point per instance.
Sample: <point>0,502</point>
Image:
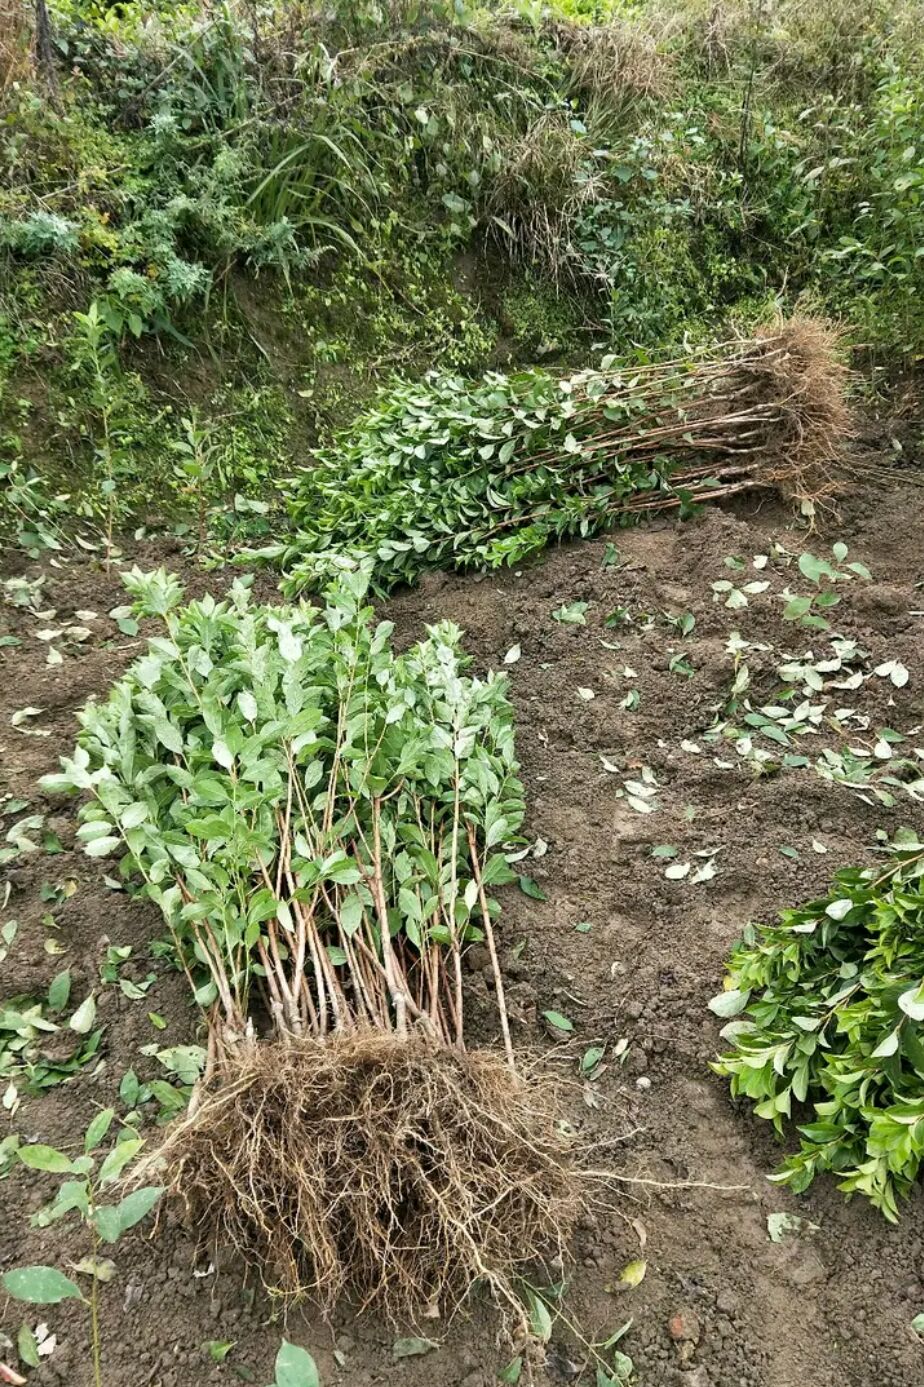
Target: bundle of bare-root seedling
<point>447,473</point>
<point>322,822</point>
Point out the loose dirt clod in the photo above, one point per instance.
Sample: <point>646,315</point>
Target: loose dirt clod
<point>388,1169</point>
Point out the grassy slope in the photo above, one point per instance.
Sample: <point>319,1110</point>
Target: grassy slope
<point>267,224</point>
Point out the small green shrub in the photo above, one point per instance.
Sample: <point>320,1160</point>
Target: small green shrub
<point>827,1007</point>
<point>39,234</point>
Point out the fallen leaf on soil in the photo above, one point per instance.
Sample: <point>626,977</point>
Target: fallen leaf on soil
<point>640,1231</point>
<point>411,1348</point>
<point>103,1268</point>
<point>22,715</point>
<point>571,613</point>
<point>895,671</point>
<point>778,1225</point>
<point>633,1274</point>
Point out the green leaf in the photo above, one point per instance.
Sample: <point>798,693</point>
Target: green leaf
<point>102,847</point>
<point>59,991</point>
<point>779,1225</point>
<point>412,1347</point>
<point>98,1128</point>
<point>530,887</point>
<point>295,1367</point>
<point>572,613</point>
<point>133,815</point>
<point>102,1269</point>
<point>540,1319</point>
<point>223,754</point>
<point>84,1017</point>
<point>40,1285</point>
<point>729,1003</point>
<point>185,1061</point>
<point>129,1088</point>
<point>119,1157</point>
<point>218,1349</point>
<point>168,735</point>
<point>917,1324</point>
<point>839,909</point>
<point>40,1157</point>
<point>27,1347</point>
<point>633,1273</point>
<point>351,914</point>
<point>560,1022</point>
<point>912,1002</point>
<point>815,569</point>
<point>513,1371</point>
<point>797,608</point>
<point>112,1220</point>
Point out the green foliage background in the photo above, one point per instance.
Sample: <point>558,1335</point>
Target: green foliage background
<point>278,210</point>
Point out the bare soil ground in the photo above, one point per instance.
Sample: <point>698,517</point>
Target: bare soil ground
<point>831,1308</point>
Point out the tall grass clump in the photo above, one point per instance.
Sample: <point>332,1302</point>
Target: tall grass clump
<point>322,823</point>
<point>447,473</point>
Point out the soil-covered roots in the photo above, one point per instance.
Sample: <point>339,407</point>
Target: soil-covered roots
<point>390,1170</point>
<point>799,368</point>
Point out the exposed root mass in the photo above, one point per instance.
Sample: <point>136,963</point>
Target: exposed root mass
<point>802,370</point>
<point>390,1170</point>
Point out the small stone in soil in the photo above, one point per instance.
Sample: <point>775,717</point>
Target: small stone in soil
<point>683,1326</point>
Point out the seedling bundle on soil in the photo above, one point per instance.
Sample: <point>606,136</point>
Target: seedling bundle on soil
<point>321,822</point>
<point>828,1008</point>
<point>446,473</point>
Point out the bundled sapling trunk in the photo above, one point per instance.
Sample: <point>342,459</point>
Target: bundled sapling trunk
<point>447,473</point>
<point>321,822</point>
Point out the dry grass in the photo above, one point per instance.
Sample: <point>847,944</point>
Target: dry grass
<point>15,44</point>
<point>616,64</point>
<point>796,46</point>
<point>536,194</point>
<point>390,1170</point>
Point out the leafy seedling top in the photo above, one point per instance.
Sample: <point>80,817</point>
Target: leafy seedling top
<point>825,1010</point>
<point>299,799</point>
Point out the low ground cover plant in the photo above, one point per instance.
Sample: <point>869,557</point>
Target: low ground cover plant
<point>89,1191</point>
<point>827,1006</point>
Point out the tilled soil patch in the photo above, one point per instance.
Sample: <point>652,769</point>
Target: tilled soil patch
<point>619,696</point>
